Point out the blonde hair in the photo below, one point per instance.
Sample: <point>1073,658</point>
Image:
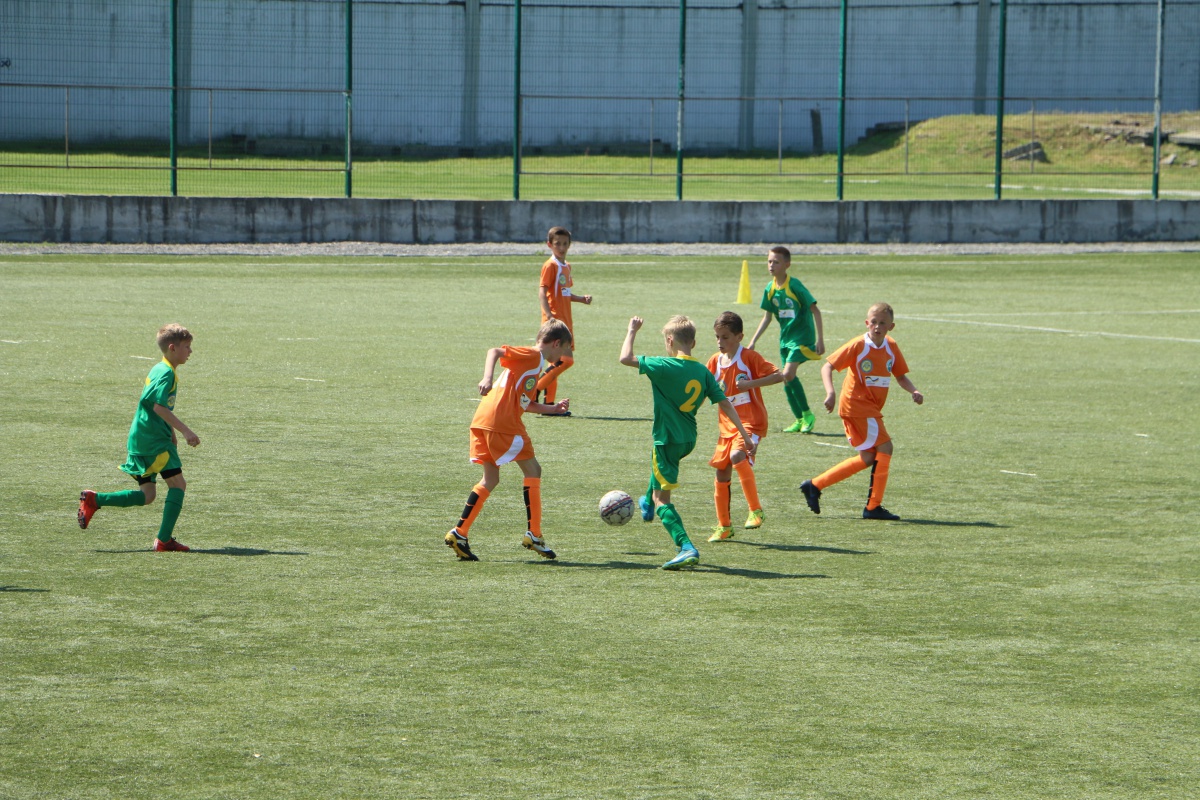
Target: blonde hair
<point>884,307</point>
<point>555,330</point>
<point>681,329</point>
<point>172,333</point>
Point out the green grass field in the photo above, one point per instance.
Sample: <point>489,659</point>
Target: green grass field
<point>946,158</point>
<point>1028,630</point>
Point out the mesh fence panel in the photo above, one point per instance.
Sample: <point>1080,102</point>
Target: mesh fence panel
<point>582,99</point>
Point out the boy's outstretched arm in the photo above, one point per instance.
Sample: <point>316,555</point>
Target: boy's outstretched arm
<point>627,356</point>
<point>827,380</point>
<point>756,383</point>
<point>489,369</point>
<point>762,326</point>
<point>176,423</point>
<point>911,388</point>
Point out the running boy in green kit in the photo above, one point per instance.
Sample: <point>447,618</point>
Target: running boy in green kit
<point>801,332</point>
<point>153,445</point>
<point>680,383</point>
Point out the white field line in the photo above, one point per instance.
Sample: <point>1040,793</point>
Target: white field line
<point>312,380</point>
<point>1070,313</point>
<point>145,358</point>
<point>1026,474</point>
<point>827,444</point>
<point>1042,329</point>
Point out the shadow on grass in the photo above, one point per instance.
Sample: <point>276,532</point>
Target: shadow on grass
<point>741,573</point>
<point>616,419</point>
<point>20,589</point>
<point>799,548</point>
<point>951,523</point>
<point>218,551</point>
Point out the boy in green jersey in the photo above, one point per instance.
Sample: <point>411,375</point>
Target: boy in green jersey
<point>152,443</point>
<point>680,383</point>
<point>801,333</point>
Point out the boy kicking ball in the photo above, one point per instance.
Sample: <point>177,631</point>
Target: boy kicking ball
<point>153,445</point>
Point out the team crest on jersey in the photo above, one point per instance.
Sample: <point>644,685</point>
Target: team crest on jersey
<point>775,301</point>
<point>530,382</point>
<point>171,402</point>
<point>889,364</point>
<point>562,280</point>
<point>867,366</point>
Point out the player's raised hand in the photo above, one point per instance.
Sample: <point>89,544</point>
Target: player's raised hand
<point>635,324</point>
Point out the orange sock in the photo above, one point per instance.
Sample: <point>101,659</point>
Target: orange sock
<point>749,484</point>
<point>549,380</point>
<point>879,476</point>
<point>475,502</point>
<point>839,472</point>
<point>721,498</point>
<point>533,505</point>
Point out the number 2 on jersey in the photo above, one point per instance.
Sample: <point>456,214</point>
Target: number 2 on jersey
<point>695,390</point>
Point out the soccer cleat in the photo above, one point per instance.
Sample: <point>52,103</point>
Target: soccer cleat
<point>808,422</point>
<point>647,509</point>
<point>879,512</point>
<point>538,545</point>
<point>169,546</point>
<point>87,507</point>
<point>688,557</point>
<point>721,533</point>
<point>794,427</point>
<point>755,520</point>
<point>812,496</point>
<point>460,546</point>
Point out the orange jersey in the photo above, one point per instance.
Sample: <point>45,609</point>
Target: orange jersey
<point>749,403</point>
<point>500,409</point>
<point>869,374</point>
<point>556,280</point>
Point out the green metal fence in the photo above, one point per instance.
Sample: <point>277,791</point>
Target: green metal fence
<point>632,99</point>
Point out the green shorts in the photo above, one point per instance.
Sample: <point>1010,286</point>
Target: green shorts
<point>149,466</point>
<point>797,354</point>
<point>666,463</point>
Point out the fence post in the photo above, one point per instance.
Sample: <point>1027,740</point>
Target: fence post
<point>516,100</point>
<point>1158,62</point>
<point>1000,58</point>
<point>679,108</point>
<point>174,133</point>
<point>349,95</point>
<point>841,156</point>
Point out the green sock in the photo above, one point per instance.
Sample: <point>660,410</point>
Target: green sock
<point>796,397</point>
<point>129,497</point>
<point>171,508</point>
<point>674,525</point>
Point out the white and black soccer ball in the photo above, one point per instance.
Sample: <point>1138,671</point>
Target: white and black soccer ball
<point>616,507</point>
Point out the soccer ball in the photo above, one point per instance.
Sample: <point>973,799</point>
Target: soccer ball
<point>616,507</point>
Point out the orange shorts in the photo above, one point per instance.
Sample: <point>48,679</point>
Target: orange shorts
<point>490,447</point>
<point>865,433</point>
<point>726,445</point>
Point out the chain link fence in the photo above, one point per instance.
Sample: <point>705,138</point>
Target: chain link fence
<point>616,100</point>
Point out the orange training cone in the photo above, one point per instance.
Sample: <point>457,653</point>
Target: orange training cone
<point>744,286</point>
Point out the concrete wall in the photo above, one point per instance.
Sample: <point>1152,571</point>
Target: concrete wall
<point>76,218</point>
<point>440,72</point>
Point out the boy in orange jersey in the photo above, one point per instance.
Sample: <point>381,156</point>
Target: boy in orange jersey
<point>555,297</point>
<point>498,434</point>
<point>871,362</point>
<point>740,372</point>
